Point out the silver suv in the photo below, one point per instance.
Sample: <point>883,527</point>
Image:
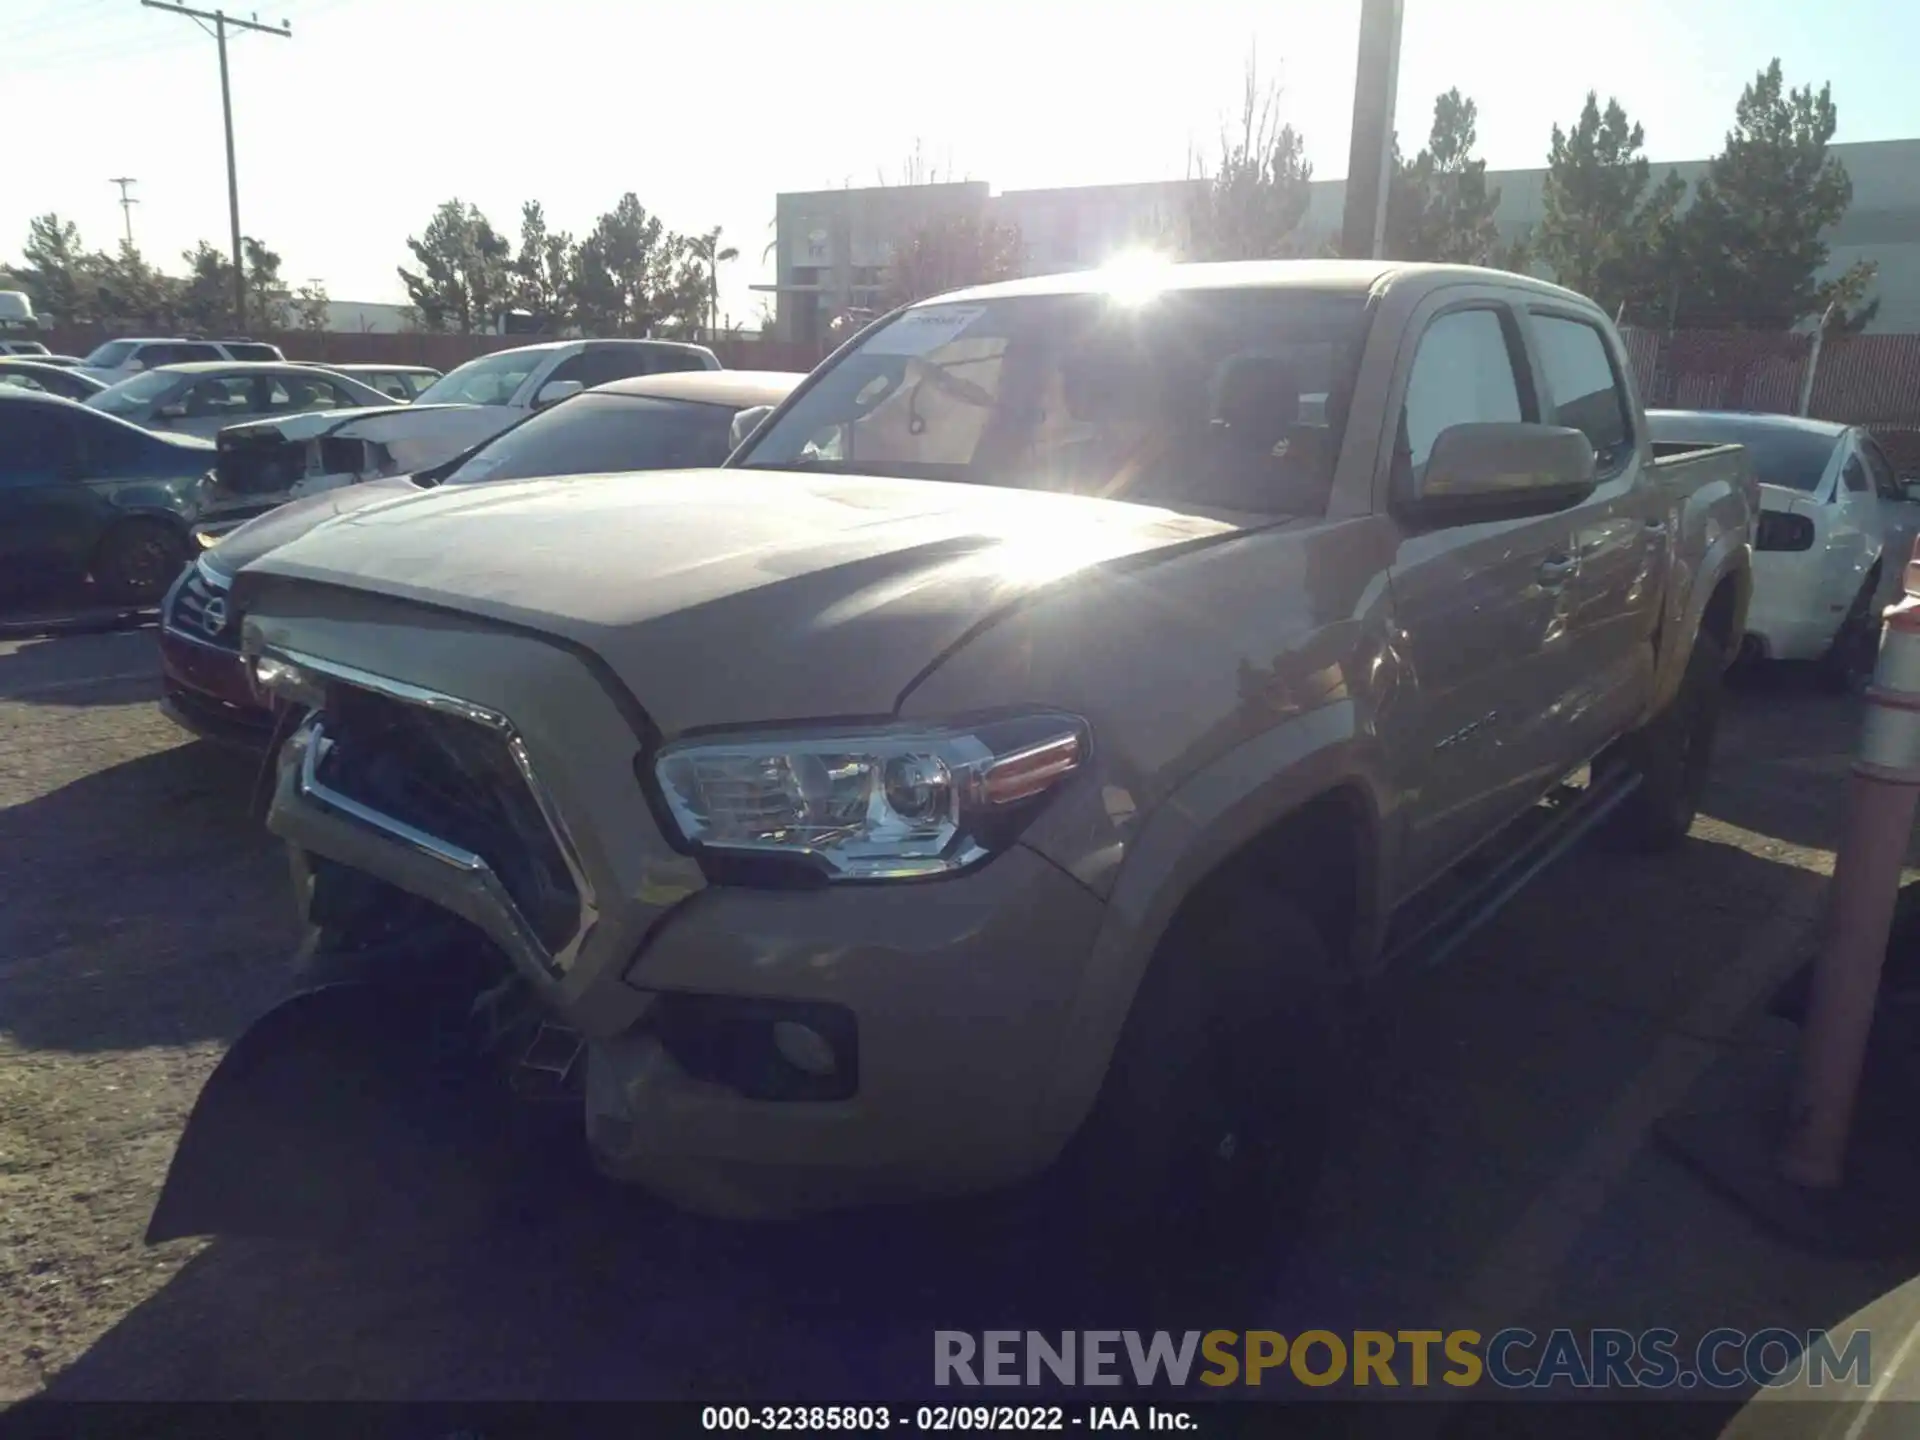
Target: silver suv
<point>117,359</point>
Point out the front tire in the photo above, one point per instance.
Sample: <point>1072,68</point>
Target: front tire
<point>1211,1130</point>
<point>137,561</point>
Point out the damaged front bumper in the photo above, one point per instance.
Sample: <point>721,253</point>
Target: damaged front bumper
<point>739,1051</point>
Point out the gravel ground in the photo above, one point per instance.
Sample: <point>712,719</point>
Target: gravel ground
<point>146,920</point>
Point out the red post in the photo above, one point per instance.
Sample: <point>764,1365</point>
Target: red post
<point>1884,789</point>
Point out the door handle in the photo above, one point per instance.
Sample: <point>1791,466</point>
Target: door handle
<point>1556,570</point>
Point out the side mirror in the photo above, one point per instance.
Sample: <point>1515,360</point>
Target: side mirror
<point>745,423</point>
<point>554,391</point>
<point>1500,471</point>
<point>1910,488</point>
<point>135,365</point>
<point>175,411</point>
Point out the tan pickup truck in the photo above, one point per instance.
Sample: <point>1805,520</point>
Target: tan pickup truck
<point>1017,752</point>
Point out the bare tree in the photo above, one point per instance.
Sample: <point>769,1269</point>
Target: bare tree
<point>1254,199</point>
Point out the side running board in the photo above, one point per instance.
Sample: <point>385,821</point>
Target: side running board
<point>1432,926</point>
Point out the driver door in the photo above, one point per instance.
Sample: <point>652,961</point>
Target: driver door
<point>1480,608</point>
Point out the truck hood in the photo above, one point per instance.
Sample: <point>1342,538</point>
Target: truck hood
<point>295,518</point>
<point>729,596</point>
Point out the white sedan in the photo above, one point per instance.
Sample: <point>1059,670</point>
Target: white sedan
<point>1832,511</point>
<point>203,399</point>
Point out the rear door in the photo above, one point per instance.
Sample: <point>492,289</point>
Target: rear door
<point>47,519</point>
<point>1480,608</point>
<point>1620,534</point>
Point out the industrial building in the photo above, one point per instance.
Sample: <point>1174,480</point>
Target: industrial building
<point>833,247</point>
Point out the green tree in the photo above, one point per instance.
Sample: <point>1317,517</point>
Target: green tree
<point>1602,230</point>
<point>269,298</point>
<point>1253,202</point>
<point>131,293</point>
<point>1439,205</point>
<point>58,274</point>
<point>633,276</point>
<point>1753,243</point>
<point>203,298</point>
<point>951,253</point>
<point>206,294</point>
<point>463,279</point>
<point>312,307</point>
<point>543,269</point>
<point>708,250</point>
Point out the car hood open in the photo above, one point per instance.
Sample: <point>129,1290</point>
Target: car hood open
<point>722,596</point>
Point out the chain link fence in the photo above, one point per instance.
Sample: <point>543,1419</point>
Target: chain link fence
<point>1870,380</point>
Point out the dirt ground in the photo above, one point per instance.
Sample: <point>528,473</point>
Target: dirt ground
<point>1502,1170</point>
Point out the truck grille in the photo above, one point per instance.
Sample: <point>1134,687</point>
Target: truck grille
<point>202,611</point>
<point>455,779</point>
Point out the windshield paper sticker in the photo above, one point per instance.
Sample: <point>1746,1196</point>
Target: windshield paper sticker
<point>921,332</point>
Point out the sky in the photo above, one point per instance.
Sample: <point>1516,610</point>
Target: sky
<point>350,133</point>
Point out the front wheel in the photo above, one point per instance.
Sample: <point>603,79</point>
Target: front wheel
<point>1209,1134</point>
<point>137,561</point>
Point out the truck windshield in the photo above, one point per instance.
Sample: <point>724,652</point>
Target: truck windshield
<point>1227,399</point>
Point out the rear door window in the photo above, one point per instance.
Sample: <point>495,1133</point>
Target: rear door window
<point>669,362</point>
<point>291,395</point>
<point>1586,388</point>
<point>178,353</point>
<point>227,398</point>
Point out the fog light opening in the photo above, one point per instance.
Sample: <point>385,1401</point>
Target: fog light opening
<point>804,1048</point>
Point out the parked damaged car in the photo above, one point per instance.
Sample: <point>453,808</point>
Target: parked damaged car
<point>654,422</point>
<point>1011,759</point>
<point>268,463</point>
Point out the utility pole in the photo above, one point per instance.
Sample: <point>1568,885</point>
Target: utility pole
<point>1369,160</point>
<point>221,20</point>
<point>127,202</point>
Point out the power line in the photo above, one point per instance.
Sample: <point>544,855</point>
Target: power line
<point>221,21</point>
<point>127,202</point>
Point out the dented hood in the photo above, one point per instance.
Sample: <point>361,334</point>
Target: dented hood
<point>722,596</point>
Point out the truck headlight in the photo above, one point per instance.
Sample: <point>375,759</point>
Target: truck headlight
<point>282,680</point>
<point>893,802</point>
